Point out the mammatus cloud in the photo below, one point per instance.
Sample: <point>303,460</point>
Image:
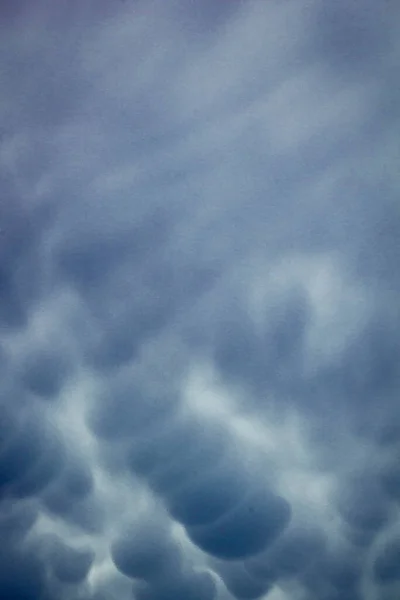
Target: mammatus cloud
<point>199,240</point>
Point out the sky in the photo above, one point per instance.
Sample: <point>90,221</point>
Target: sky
<point>199,300</point>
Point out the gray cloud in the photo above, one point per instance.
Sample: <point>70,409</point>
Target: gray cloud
<point>385,565</point>
<point>147,552</point>
<point>69,565</point>
<point>44,373</point>
<point>199,240</point>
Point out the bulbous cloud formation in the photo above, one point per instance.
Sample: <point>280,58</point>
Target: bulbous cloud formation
<point>199,300</point>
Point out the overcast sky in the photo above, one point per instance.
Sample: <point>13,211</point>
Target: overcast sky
<point>199,300</point>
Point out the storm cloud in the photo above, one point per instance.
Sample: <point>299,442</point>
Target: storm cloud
<point>199,300</point>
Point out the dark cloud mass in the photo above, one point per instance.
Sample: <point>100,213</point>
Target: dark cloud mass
<point>292,554</point>
<point>199,300</point>
<point>385,567</point>
<point>239,582</point>
<point>69,565</point>
<point>21,577</point>
<point>146,552</point>
<point>247,529</point>
<point>44,373</point>
<point>194,586</point>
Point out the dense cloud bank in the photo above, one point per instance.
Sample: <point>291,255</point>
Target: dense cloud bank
<point>199,300</point>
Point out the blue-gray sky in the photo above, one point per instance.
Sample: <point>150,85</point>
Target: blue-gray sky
<point>199,300</point>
